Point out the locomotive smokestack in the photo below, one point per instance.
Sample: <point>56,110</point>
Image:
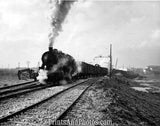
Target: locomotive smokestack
<point>50,49</point>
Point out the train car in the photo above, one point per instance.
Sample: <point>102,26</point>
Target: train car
<point>88,70</point>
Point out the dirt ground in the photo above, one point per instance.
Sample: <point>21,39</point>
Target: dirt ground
<point>131,107</point>
<point>117,104</point>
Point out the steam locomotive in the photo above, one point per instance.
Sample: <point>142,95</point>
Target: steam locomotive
<point>62,66</point>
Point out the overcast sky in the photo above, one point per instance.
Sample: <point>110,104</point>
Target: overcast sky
<point>132,27</point>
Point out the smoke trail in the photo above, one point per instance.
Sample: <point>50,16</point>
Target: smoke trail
<point>59,11</point>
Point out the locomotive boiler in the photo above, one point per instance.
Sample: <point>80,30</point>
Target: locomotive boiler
<point>59,66</point>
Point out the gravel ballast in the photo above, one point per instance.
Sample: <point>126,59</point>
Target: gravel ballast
<point>115,103</point>
<point>45,113</point>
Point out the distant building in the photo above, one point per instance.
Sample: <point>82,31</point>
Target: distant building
<point>122,68</point>
<point>152,69</point>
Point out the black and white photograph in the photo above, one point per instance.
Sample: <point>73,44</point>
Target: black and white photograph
<point>79,62</point>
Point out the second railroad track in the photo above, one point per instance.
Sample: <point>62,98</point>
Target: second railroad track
<point>49,110</point>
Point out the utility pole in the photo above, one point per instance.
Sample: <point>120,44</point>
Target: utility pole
<point>110,61</point>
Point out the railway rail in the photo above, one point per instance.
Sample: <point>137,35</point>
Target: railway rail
<point>50,109</point>
<point>64,113</point>
<point>15,85</point>
<point>21,87</point>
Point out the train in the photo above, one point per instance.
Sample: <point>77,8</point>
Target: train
<point>61,66</point>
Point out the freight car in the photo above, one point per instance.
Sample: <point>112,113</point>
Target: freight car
<point>88,70</point>
<point>62,66</point>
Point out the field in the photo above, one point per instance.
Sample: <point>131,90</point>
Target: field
<point>9,77</point>
<point>150,83</point>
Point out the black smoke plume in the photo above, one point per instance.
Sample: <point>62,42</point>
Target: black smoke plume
<point>59,10</point>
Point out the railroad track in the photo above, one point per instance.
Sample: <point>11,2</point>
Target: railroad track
<point>15,86</point>
<point>21,89</point>
<point>64,113</point>
<point>50,109</point>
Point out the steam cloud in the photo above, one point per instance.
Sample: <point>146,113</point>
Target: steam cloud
<point>59,11</point>
<point>42,76</point>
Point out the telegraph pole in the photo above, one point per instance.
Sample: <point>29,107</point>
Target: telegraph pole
<point>110,74</point>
